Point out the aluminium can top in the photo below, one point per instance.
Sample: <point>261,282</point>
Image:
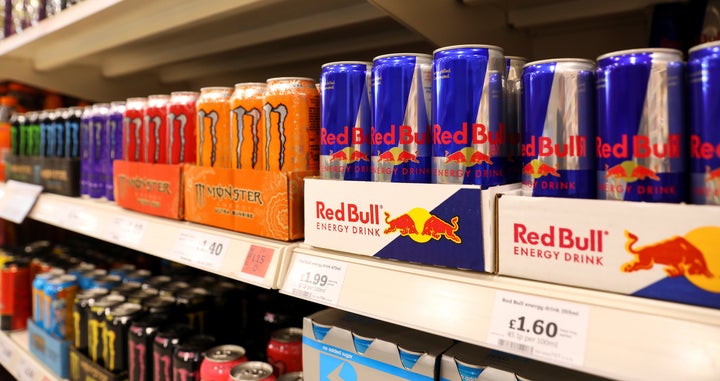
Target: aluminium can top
<point>706,45</point>
<point>579,61</point>
<point>336,63</point>
<point>675,54</point>
<point>469,46</point>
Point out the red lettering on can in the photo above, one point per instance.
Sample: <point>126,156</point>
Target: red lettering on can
<point>703,150</point>
<point>348,136</point>
<point>398,135</point>
<point>478,134</point>
<point>642,148</point>
<point>544,146</point>
<point>562,237</point>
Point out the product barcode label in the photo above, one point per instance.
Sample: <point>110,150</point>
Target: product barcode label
<point>519,347</point>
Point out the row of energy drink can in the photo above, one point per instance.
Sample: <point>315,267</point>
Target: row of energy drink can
<point>46,133</point>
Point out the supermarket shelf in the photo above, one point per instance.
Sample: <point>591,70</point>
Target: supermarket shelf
<point>627,338</point>
<point>16,358</point>
<point>105,50</point>
<point>234,255</point>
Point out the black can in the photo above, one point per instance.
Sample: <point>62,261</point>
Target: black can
<point>84,300</point>
<point>156,281</point>
<point>118,321</point>
<point>140,346</point>
<point>125,289</point>
<point>172,288</point>
<point>72,132</point>
<point>160,304</point>
<point>194,303</point>
<point>139,276</point>
<point>97,325</point>
<point>188,357</point>
<point>166,339</point>
<point>141,295</point>
<point>107,282</point>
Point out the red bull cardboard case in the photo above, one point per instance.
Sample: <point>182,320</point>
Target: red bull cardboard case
<point>434,224</point>
<point>660,251</point>
<point>338,345</point>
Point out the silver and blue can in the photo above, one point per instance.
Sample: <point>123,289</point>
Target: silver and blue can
<point>114,140</point>
<point>99,152</point>
<point>641,134</point>
<point>38,295</point>
<point>513,114</point>
<point>558,133</point>
<point>400,135</point>
<point>345,121</point>
<point>85,148</point>
<point>60,292</point>
<point>470,142</point>
<point>72,132</point>
<point>703,93</point>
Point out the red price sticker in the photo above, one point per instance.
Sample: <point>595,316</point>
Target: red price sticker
<point>258,260</point>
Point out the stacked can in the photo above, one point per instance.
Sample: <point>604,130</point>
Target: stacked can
<point>57,127</point>
<point>140,347</point>
<point>45,132</point>
<point>117,326</point>
<point>181,127</point>
<point>38,295</point>
<point>704,91</point>
<point>32,134</point>
<point>85,147</point>
<point>471,144</point>
<point>291,113</point>
<point>99,150</point>
<point>284,350</point>
<point>133,147</point>
<point>213,127</point>
<point>513,113</point>
<point>252,371</point>
<point>72,132</point>
<point>114,140</point>
<point>15,299</point>
<point>60,293</point>
<point>166,339</point>
<point>84,300</point>
<point>97,325</point>
<point>220,360</point>
<point>345,121</point>
<point>559,128</point>
<point>400,140</point>
<point>188,355</point>
<point>155,129</point>
<point>640,126</point>
<point>247,132</point>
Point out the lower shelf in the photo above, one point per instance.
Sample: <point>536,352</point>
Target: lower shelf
<point>15,356</point>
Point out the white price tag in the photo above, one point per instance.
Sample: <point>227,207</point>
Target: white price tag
<point>77,219</point>
<point>26,369</point>
<point>200,249</point>
<point>6,350</point>
<point>542,328</point>
<point>17,200</point>
<point>316,279</point>
<point>126,230</point>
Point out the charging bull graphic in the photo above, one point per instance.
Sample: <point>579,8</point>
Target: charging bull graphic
<point>679,256</point>
<point>421,226</point>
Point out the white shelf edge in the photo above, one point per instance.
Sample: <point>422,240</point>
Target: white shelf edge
<point>20,361</point>
<point>94,217</point>
<point>628,338</point>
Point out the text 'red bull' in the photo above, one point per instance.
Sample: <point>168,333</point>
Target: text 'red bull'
<point>703,150</point>
<point>348,136</point>
<point>398,135</point>
<point>478,134</point>
<point>641,148</point>
<point>349,212</point>
<point>543,146</point>
<point>560,237</point>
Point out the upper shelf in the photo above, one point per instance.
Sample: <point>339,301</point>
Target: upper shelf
<point>112,49</point>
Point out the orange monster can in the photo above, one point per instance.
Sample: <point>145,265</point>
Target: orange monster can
<point>247,135</point>
<point>213,127</point>
<point>291,115</point>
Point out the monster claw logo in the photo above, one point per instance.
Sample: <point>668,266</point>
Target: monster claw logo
<point>421,226</point>
<point>630,171</point>
<point>694,256</point>
<point>537,169</point>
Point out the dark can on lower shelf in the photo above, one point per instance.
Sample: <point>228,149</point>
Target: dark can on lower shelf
<point>194,303</point>
<point>97,325</point>
<point>220,360</point>
<point>284,351</point>
<point>253,371</point>
<point>117,325</point>
<point>188,357</point>
<point>140,346</point>
<point>15,299</point>
<point>166,339</point>
<point>84,300</point>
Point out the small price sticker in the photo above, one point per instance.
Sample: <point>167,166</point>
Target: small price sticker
<point>26,369</point>
<point>126,230</point>
<point>546,329</point>
<point>78,219</point>
<point>316,279</point>
<point>200,249</point>
<point>258,260</point>
<point>17,200</point>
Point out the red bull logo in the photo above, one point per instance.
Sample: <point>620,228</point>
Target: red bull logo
<point>630,171</point>
<point>560,237</point>
<point>348,155</point>
<point>543,146</point>
<point>641,148</point>
<point>696,256</point>
<point>537,169</point>
<point>422,226</point>
<point>348,136</point>
<point>398,136</point>
<point>477,133</point>
<point>467,156</point>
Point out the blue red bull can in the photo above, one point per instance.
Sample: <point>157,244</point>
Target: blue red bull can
<point>470,142</point>
<point>559,128</point>
<point>85,148</point>
<point>640,141</point>
<point>400,136</point>
<point>345,121</point>
<point>99,152</point>
<point>114,139</point>
<point>513,113</point>
<point>704,92</point>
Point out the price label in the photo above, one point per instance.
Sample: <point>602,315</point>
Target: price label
<point>6,351</point>
<point>126,230</point>
<point>546,329</point>
<point>78,219</point>
<point>200,249</point>
<point>316,279</point>
<point>258,260</point>
<point>26,369</point>
<point>17,200</point>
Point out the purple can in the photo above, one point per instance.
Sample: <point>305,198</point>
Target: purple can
<point>641,134</point>
<point>400,136</point>
<point>85,148</point>
<point>470,142</point>
<point>114,141</point>
<point>704,92</point>
<point>345,121</point>
<point>559,128</point>
<point>99,152</point>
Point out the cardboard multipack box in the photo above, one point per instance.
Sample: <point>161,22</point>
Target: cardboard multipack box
<point>51,351</point>
<point>149,188</point>
<point>338,345</point>
<point>436,224</point>
<point>466,362</point>
<point>653,250</point>
<point>82,368</point>
<point>263,203</point>
<point>55,174</point>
